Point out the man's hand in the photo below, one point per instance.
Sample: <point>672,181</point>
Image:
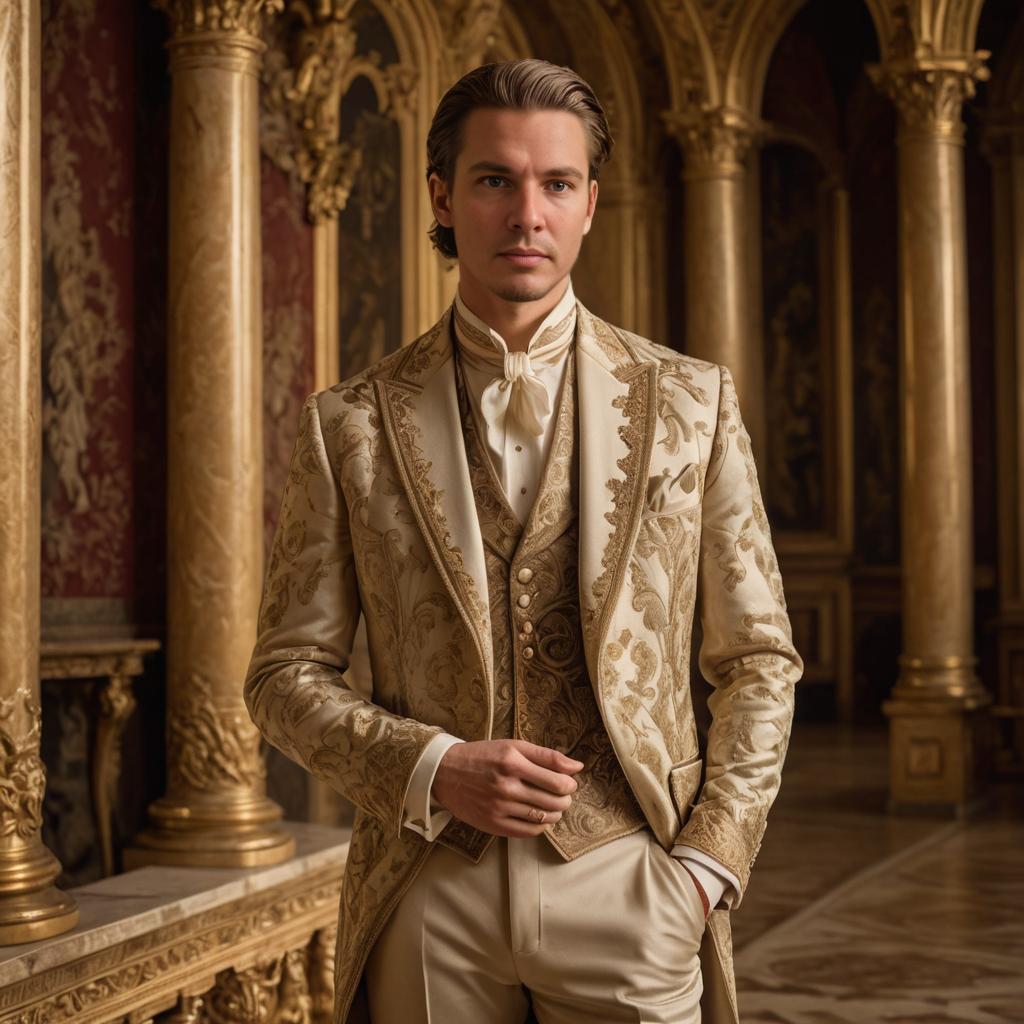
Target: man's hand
<point>502,786</point>
<point>701,892</point>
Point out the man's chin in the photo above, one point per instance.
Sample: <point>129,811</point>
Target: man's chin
<point>524,291</point>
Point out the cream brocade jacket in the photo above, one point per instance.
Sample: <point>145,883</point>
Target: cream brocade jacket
<point>378,518</point>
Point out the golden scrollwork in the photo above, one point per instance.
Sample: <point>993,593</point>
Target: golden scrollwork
<point>22,773</point>
<point>470,28</point>
<point>294,1003</point>
<point>716,139</point>
<point>193,16</point>
<point>307,74</point>
<point>929,92</point>
<point>210,747</point>
<point>321,974</point>
<point>244,996</point>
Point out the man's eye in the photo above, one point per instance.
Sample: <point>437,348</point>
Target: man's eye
<point>494,181</point>
<point>564,186</point>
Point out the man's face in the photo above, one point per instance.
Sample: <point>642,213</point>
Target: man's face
<point>519,202</point>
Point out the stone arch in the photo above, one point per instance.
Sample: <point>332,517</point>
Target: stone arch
<point>687,54</point>
<point>755,40</point>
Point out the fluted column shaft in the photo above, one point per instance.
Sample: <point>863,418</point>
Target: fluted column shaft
<point>30,907</point>
<point>719,301</point>
<point>215,810</point>
<point>934,752</point>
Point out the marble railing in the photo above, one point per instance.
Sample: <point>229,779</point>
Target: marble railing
<point>191,946</point>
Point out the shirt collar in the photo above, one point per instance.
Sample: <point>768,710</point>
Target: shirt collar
<point>549,340</point>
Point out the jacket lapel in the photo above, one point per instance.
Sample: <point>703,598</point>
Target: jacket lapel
<point>420,409</point>
<point>617,422</point>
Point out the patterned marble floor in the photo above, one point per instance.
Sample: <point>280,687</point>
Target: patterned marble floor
<point>856,917</point>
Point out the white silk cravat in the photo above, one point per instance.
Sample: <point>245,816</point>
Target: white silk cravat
<point>518,397</point>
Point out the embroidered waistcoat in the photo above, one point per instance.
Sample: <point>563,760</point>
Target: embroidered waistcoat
<point>543,692</point>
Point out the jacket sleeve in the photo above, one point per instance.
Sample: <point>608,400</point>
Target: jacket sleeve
<point>294,688</point>
<point>746,653</point>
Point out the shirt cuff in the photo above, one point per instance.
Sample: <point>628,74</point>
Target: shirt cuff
<point>421,812</point>
<point>720,884</point>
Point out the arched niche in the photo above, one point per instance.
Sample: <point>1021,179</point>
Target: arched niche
<point>812,95</point>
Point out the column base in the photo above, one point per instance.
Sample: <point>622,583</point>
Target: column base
<point>217,836</point>
<point>31,907</point>
<point>939,750</point>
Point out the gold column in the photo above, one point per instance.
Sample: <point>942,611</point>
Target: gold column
<point>215,811</point>
<point>720,306</point>
<point>1004,145</point>
<point>30,906</point>
<point>934,715</point>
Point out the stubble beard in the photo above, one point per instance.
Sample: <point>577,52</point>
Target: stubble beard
<point>527,291</point>
<point>523,292</point>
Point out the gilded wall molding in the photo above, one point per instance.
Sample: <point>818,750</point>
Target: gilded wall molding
<point>22,773</point>
<point>307,73</point>
<point>470,28</point>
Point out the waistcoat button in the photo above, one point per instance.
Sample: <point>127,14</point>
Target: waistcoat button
<point>524,575</point>
<point>527,652</point>
<point>527,626</point>
<point>524,600</point>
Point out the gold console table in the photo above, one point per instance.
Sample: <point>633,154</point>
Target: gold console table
<point>117,661</point>
<point>176,945</point>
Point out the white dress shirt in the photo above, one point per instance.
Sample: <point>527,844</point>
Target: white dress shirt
<point>519,453</point>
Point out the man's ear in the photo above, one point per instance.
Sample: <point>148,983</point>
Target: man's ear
<point>440,200</point>
<point>591,206</point>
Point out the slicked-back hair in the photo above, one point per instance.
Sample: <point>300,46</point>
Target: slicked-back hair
<point>510,85</point>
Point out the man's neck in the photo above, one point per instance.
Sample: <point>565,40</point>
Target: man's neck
<point>516,322</point>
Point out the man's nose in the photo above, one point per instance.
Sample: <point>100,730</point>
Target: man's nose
<point>526,214</point>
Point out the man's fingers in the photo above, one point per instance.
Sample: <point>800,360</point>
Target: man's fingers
<point>546,757</point>
<point>531,796</point>
<point>550,781</point>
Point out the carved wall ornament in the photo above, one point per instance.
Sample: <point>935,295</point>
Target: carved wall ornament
<point>22,773</point>
<point>307,73</point>
<point>193,16</point>
<point>929,92</point>
<point>470,28</point>
<point>211,748</point>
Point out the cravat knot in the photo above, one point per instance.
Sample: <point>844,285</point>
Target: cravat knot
<point>520,395</point>
<point>517,396</point>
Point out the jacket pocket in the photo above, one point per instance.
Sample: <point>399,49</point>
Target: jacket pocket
<point>683,783</point>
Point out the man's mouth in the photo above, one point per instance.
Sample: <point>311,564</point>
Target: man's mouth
<point>523,257</point>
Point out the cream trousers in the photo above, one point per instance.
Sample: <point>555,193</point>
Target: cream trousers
<point>609,937</point>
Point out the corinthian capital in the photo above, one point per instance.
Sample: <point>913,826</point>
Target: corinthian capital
<point>929,93</point>
<point>230,16</point>
<point>715,140</point>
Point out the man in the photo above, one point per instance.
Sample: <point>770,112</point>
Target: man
<point>527,504</point>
